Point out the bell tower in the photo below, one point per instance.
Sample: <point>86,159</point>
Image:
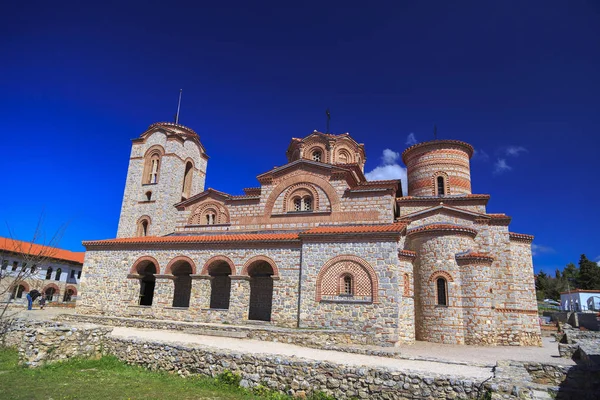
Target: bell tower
<point>167,165</point>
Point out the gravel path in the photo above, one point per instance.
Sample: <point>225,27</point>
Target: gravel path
<point>259,347</point>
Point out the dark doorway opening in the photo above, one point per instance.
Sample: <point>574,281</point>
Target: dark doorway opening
<point>261,291</point>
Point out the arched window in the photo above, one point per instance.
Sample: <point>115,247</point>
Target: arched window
<point>49,273</point>
<point>152,162</point>
<point>442,295</point>
<point>18,292</point>
<point>57,276</point>
<point>211,217</point>
<point>441,186</point>
<point>148,195</point>
<point>317,155</point>
<point>303,203</point>
<point>143,226</point>
<point>187,181</point>
<point>347,287</point>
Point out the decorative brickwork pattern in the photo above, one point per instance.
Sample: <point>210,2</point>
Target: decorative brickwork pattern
<point>363,277</point>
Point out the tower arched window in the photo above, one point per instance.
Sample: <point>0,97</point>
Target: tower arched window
<point>211,218</point>
<point>317,155</point>
<point>152,164</point>
<point>442,291</point>
<point>187,181</point>
<point>441,186</point>
<point>143,226</point>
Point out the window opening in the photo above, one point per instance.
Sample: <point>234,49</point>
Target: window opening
<point>49,273</point>
<point>442,299</point>
<point>348,285</point>
<point>316,155</point>
<point>441,186</point>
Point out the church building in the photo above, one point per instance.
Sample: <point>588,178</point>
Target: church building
<point>315,245</point>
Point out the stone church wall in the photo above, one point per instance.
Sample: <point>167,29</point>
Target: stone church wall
<point>382,317</point>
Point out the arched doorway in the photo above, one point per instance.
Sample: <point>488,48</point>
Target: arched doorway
<point>220,284</point>
<point>69,293</point>
<point>261,290</point>
<point>49,293</point>
<point>183,283</point>
<point>17,292</point>
<point>147,269</point>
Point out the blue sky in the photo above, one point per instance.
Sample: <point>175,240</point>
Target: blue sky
<point>518,80</point>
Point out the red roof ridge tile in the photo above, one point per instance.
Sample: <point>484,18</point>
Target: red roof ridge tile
<point>238,237</point>
<point>349,229</point>
<point>442,227</point>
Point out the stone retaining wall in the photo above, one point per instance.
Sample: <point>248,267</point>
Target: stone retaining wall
<point>42,342</point>
<point>292,375</point>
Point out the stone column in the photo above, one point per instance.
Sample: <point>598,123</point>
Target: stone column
<point>239,302</point>
<point>200,297</point>
<point>131,294</point>
<point>163,291</point>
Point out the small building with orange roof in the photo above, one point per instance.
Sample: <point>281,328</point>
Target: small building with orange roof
<point>52,271</point>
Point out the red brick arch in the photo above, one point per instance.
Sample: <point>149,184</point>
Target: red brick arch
<point>22,283</point>
<point>260,258</point>
<point>440,274</point>
<point>73,288</point>
<point>341,258</point>
<point>334,199</point>
<point>214,259</point>
<point>178,259</point>
<point>140,260</point>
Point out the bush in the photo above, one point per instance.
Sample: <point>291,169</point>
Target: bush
<point>320,396</point>
<point>229,378</point>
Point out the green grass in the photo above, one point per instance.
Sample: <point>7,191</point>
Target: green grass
<point>106,379</point>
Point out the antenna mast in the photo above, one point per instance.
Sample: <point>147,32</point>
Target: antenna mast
<point>178,106</point>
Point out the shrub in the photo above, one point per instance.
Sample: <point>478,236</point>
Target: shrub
<point>229,378</point>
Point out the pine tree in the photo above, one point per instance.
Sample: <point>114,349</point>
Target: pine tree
<point>589,274</point>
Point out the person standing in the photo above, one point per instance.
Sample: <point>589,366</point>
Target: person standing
<point>29,301</point>
<point>42,302</point>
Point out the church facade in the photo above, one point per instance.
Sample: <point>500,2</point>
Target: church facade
<point>315,245</point>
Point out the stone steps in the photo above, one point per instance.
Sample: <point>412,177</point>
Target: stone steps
<point>219,333</point>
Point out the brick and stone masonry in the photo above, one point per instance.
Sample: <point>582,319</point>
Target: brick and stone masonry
<point>315,246</point>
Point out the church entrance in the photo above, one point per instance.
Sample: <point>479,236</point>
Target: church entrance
<point>261,291</point>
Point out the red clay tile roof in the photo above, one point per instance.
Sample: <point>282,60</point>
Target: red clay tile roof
<point>242,237</point>
<point>475,255</point>
<point>407,253</point>
<point>444,198</point>
<point>442,227</point>
<point>520,237</point>
<point>17,246</point>
<point>189,131</point>
<point>327,230</point>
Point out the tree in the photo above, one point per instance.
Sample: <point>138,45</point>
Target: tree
<point>589,274</point>
<point>29,258</point>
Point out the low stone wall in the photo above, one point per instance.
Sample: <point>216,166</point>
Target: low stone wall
<point>315,338</point>
<point>42,342</point>
<point>291,375</point>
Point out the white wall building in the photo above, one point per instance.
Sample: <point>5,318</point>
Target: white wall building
<point>57,278</point>
<point>580,300</point>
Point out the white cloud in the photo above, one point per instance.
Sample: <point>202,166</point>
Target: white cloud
<point>480,155</point>
<point>501,166</point>
<point>389,169</point>
<point>411,139</point>
<point>389,157</point>
<point>514,151</point>
<point>537,249</point>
